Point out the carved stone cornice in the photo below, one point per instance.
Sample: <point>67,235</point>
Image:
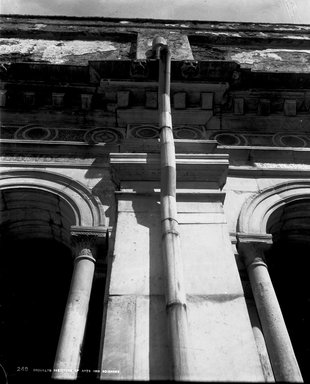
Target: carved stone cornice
<point>190,167</point>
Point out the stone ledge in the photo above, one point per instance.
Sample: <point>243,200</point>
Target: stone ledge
<point>190,167</point>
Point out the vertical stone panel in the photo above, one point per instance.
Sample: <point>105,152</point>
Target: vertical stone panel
<point>221,337</point>
<point>135,341</point>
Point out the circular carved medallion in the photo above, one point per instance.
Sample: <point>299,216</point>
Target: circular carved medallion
<point>230,139</point>
<point>35,132</point>
<point>102,135</point>
<point>145,132</point>
<point>289,140</point>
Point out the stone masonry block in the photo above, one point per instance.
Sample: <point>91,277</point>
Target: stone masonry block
<point>290,107</point>
<point>179,100</point>
<point>207,100</point>
<point>123,99</point>
<point>221,337</point>
<point>151,100</point>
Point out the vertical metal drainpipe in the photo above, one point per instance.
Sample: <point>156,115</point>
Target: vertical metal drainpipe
<point>171,250</point>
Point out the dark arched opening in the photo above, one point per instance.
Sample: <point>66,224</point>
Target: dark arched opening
<point>35,274</point>
<point>35,277</point>
<point>289,264</point>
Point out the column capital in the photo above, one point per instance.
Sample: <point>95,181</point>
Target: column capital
<point>85,240</point>
<point>251,247</point>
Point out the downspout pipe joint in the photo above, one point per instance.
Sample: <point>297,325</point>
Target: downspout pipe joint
<point>158,44</point>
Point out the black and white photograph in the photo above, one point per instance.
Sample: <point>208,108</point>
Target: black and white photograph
<point>154,191</point>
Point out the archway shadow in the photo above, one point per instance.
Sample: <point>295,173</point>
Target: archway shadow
<point>35,279</point>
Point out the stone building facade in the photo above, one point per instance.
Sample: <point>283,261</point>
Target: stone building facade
<point>80,198</point>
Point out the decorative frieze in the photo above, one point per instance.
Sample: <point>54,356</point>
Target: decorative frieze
<point>279,139</point>
<point>103,135</point>
<point>113,135</point>
<point>189,132</point>
<point>36,132</point>
<point>290,140</point>
<point>149,131</point>
<point>228,138</point>
<point>143,131</point>
<point>91,136</point>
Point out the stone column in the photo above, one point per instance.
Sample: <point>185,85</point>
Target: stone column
<point>70,343</point>
<point>280,350</point>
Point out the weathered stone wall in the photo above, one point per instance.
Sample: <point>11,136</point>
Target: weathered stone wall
<point>74,52</point>
<point>260,47</point>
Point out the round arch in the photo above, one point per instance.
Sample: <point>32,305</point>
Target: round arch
<point>86,208</point>
<point>37,212</point>
<point>256,211</point>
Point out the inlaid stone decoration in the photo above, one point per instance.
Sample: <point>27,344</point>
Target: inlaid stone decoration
<point>36,132</point>
<point>144,131</point>
<point>193,132</point>
<point>280,139</point>
<point>290,140</point>
<point>148,131</point>
<point>230,138</point>
<point>102,135</point>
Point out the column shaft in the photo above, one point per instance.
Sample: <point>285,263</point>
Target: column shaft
<point>280,350</point>
<point>73,328</point>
